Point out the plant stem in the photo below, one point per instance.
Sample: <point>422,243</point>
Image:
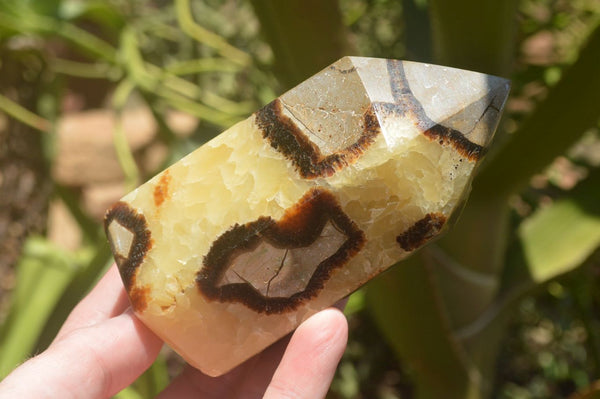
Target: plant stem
<point>179,93</point>
<point>124,155</point>
<point>84,69</point>
<point>24,115</point>
<point>455,43</point>
<point>202,65</point>
<point>305,36</point>
<point>202,35</point>
<point>33,23</point>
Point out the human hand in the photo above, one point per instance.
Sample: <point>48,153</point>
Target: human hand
<point>103,347</point>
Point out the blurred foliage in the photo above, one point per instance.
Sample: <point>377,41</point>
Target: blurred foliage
<point>505,306</point>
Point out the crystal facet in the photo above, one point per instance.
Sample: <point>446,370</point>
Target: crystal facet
<point>299,205</point>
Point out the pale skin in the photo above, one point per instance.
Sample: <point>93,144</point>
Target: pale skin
<point>102,348</point>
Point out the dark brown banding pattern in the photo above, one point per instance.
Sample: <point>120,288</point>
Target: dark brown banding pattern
<point>299,229</point>
<point>446,135</point>
<point>406,104</point>
<point>135,222</point>
<point>285,136</point>
<point>421,232</point>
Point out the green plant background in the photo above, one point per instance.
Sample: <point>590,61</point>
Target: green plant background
<point>504,306</point>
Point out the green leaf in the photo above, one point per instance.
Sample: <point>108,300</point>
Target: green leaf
<point>129,393</point>
<point>43,273</point>
<point>102,12</point>
<point>47,7</point>
<point>355,304</point>
<point>88,273</point>
<point>553,241</point>
<point>558,239</point>
<point>154,380</point>
<point>149,384</point>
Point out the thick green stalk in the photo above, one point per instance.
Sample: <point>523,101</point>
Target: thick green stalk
<point>417,31</point>
<point>406,305</point>
<point>555,240</point>
<point>469,272</point>
<point>571,108</point>
<point>462,270</point>
<point>478,35</point>
<point>44,271</point>
<point>305,36</point>
<point>474,34</point>
<point>82,280</point>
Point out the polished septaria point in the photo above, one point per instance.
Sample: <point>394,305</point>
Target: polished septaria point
<point>299,205</point>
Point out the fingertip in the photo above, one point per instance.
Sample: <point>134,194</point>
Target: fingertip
<point>327,327</point>
<point>312,356</point>
<point>91,362</point>
<point>106,299</point>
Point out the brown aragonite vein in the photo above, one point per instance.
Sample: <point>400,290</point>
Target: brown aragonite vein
<point>422,231</point>
<point>286,137</point>
<point>161,190</point>
<point>300,227</point>
<point>405,103</point>
<point>139,297</point>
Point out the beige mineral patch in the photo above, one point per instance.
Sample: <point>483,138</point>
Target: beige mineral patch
<point>63,229</point>
<point>98,197</point>
<point>85,147</point>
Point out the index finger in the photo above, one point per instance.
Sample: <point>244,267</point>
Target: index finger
<point>107,299</point>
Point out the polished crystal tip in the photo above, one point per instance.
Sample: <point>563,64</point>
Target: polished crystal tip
<point>461,108</point>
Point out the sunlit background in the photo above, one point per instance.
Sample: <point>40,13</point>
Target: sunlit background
<point>98,96</point>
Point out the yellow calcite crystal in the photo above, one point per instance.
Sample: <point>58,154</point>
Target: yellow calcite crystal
<point>296,207</point>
